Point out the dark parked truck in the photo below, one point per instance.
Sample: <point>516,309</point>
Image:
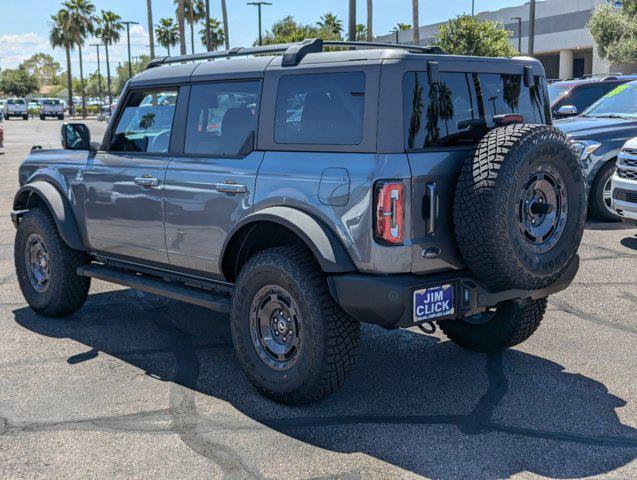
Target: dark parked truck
<point>305,191</point>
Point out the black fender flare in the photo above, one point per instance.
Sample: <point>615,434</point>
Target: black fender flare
<point>57,205</point>
<point>324,244</point>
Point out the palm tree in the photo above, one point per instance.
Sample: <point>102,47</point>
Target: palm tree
<point>224,15</point>
<point>370,35</point>
<point>415,22</point>
<point>216,34</point>
<point>151,39</point>
<point>82,17</point>
<point>194,11</point>
<point>331,23</point>
<point>61,35</point>
<point>167,33</point>
<point>110,24</point>
<point>361,32</point>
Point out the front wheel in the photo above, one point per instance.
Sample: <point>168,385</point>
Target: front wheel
<point>508,324</point>
<point>46,266</point>
<point>293,341</point>
<point>600,196</point>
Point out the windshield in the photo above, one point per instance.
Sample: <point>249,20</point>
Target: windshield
<point>558,90</point>
<point>620,102</point>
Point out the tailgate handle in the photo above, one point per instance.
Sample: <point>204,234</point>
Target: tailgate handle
<point>432,213</point>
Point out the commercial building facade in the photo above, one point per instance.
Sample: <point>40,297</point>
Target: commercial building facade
<point>563,43</point>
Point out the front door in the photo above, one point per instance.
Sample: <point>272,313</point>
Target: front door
<point>125,185</point>
<point>210,187</point>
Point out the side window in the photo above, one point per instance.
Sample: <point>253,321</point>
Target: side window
<point>459,109</point>
<point>584,97</point>
<point>146,123</point>
<point>320,109</point>
<point>222,118</point>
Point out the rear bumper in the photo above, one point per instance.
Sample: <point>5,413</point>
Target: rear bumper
<point>388,300</point>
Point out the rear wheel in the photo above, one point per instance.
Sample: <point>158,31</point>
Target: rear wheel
<point>508,324</point>
<point>600,198</point>
<point>25,117</point>
<point>293,341</point>
<point>46,266</point>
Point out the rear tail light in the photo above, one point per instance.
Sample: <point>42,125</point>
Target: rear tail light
<point>389,209</point>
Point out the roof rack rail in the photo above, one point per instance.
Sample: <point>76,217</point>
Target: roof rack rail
<point>293,53</point>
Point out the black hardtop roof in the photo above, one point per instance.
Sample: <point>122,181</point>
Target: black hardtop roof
<point>252,62</point>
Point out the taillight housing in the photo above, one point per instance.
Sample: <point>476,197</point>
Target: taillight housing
<point>389,212</point>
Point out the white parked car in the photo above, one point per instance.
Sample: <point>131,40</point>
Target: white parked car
<point>624,183</point>
<point>16,107</point>
<point>52,107</point>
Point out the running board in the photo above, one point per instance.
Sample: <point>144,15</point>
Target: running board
<point>157,286</point>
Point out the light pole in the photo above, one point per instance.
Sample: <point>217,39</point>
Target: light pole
<point>351,31</point>
<point>473,7</point>
<point>531,27</point>
<point>130,66</point>
<point>99,71</point>
<point>519,19</point>
<point>259,5</point>
<point>151,37</point>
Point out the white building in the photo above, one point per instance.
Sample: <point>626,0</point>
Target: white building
<point>562,41</point>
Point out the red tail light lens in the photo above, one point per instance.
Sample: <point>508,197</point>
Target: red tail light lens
<point>389,209</point>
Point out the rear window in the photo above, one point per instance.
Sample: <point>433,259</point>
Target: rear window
<point>51,102</point>
<point>460,109</point>
<point>320,109</point>
<point>15,101</point>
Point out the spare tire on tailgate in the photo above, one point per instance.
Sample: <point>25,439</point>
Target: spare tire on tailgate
<point>520,207</point>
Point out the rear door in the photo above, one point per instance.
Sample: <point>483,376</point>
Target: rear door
<point>125,184</point>
<point>442,124</point>
<point>210,183</point>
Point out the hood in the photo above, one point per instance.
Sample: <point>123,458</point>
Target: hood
<point>586,127</point>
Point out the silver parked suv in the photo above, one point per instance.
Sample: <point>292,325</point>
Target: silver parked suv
<point>304,191</point>
<point>624,183</point>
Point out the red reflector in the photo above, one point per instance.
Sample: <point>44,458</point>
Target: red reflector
<point>507,119</point>
<point>389,203</point>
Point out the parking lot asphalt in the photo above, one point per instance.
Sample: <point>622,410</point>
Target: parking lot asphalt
<point>136,386</point>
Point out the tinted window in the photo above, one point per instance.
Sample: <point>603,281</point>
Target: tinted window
<point>583,97</point>
<point>320,109</point>
<point>146,123</point>
<point>222,118</point>
<point>620,102</point>
<point>460,109</point>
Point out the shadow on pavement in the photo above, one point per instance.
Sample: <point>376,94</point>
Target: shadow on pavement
<point>629,242</point>
<point>415,402</point>
<point>595,225</point>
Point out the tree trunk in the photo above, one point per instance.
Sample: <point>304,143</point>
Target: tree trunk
<point>181,20</point>
<point>351,30</point>
<point>151,37</point>
<point>370,35</point>
<point>192,35</point>
<point>69,79</point>
<point>416,22</point>
<point>108,78</point>
<point>224,13</point>
<point>82,93</point>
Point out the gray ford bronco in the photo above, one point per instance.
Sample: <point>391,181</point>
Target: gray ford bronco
<point>304,190</point>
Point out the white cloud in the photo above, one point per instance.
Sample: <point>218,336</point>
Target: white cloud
<point>15,48</point>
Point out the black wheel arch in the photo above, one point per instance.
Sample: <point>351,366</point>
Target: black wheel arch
<point>44,193</point>
<point>278,226</point>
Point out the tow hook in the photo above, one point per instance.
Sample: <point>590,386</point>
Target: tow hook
<point>428,327</point>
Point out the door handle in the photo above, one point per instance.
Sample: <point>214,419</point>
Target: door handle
<point>146,181</point>
<point>432,195</point>
<point>231,188</point>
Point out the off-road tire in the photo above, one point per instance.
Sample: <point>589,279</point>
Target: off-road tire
<point>66,292</point>
<point>330,336</point>
<point>598,208</point>
<point>511,324</point>
<point>486,206</point>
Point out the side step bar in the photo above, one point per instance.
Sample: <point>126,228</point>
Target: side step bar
<point>156,285</point>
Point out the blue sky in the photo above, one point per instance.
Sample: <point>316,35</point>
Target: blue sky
<point>24,24</point>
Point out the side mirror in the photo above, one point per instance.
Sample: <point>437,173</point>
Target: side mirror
<point>567,111</point>
<point>76,136</point>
